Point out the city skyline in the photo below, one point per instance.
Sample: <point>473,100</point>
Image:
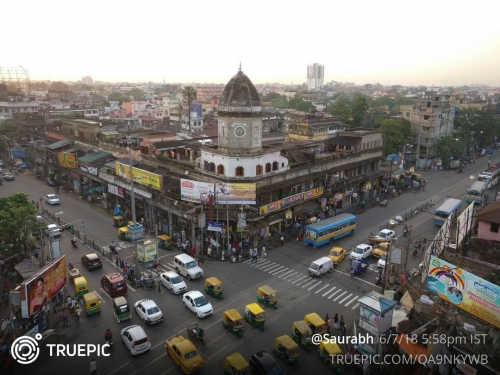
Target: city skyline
<point>388,42</point>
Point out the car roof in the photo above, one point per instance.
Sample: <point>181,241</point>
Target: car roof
<point>184,257</point>
<point>51,195</point>
<point>363,245</point>
<point>147,302</point>
<point>194,294</point>
<point>265,358</point>
<point>52,226</point>
<point>115,276</point>
<point>136,331</point>
<point>170,273</point>
<point>385,230</point>
<point>92,256</point>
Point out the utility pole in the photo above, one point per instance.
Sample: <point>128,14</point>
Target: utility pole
<point>418,137</point>
<point>387,267</point>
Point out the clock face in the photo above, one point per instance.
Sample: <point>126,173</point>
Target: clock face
<point>240,131</point>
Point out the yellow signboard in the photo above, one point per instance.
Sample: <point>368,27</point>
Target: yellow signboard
<point>147,251</point>
<point>142,177</point>
<point>290,201</point>
<point>236,193</point>
<point>66,160</point>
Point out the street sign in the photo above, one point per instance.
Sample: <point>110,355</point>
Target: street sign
<point>490,152</point>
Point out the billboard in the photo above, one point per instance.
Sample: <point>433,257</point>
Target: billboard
<point>236,193</point>
<point>66,159</point>
<point>37,290</point>
<point>197,192</point>
<point>290,201</point>
<point>142,177</point>
<point>465,290</point>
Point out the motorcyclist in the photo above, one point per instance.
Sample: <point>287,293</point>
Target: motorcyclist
<point>108,335</point>
<point>112,246</point>
<point>201,333</point>
<point>73,241</point>
<point>70,267</point>
<point>405,230</point>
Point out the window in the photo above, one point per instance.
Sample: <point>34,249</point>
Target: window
<point>220,169</point>
<point>276,166</point>
<point>494,227</point>
<point>259,169</point>
<point>268,168</point>
<point>240,172</point>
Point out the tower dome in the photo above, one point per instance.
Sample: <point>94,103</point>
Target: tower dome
<point>240,96</point>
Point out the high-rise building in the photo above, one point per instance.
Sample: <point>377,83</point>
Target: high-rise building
<point>87,80</point>
<point>315,76</point>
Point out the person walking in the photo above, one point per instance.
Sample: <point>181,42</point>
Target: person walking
<point>201,257</point>
<point>254,254</point>
<point>328,323</point>
<point>342,329</point>
<point>68,302</point>
<point>341,320</point>
<point>77,315</point>
<point>64,317</point>
<point>264,254</point>
<point>93,367</point>
<point>73,305</point>
<point>336,321</point>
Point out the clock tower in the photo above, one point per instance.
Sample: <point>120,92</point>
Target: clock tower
<point>240,117</point>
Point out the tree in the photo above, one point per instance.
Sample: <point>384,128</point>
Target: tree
<point>17,220</point>
<point>59,86</point>
<point>270,96</point>
<point>10,130</point>
<point>340,109</point>
<point>358,111</point>
<point>189,94</point>
<point>446,147</point>
<point>136,93</point>
<point>118,97</point>
<point>476,127</point>
<point>395,133</point>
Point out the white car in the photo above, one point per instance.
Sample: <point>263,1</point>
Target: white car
<point>52,199</point>
<point>136,340</point>
<point>173,282</point>
<point>148,311</point>
<point>382,260</point>
<point>385,234</point>
<point>361,252</point>
<point>197,303</point>
<point>52,230</point>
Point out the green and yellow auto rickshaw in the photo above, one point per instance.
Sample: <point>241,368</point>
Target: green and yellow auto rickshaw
<point>121,309</point>
<point>213,286</point>
<point>286,349</point>
<point>302,334</point>
<point>118,221</point>
<point>267,296</point>
<point>123,234</point>
<point>331,354</point>
<point>255,315</point>
<point>233,321</point>
<point>235,364</point>
<point>81,286</point>
<point>316,324</point>
<point>91,304</point>
<point>164,242</point>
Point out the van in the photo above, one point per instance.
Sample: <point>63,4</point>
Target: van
<point>320,266</point>
<point>114,284</point>
<point>187,266</point>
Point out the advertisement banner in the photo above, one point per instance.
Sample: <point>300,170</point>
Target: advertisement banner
<point>197,192</point>
<point>40,288</point>
<point>142,177</point>
<point>115,190</point>
<point>290,201</point>
<point>214,226</point>
<point>465,290</point>
<point>236,193</point>
<point>66,160</point>
<point>147,251</point>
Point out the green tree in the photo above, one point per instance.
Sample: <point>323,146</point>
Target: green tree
<point>17,220</point>
<point>476,126</point>
<point>395,133</point>
<point>118,97</point>
<point>135,93</point>
<point>341,109</point>
<point>10,130</point>
<point>59,86</point>
<point>358,111</point>
<point>189,94</point>
<point>270,96</point>
<point>447,146</point>
<point>280,102</point>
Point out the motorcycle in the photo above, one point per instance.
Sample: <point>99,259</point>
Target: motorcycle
<point>108,336</point>
<point>74,243</point>
<point>378,279</point>
<point>460,170</point>
<point>405,231</point>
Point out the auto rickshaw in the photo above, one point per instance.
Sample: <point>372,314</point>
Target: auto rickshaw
<point>255,315</point>
<point>286,349</point>
<point>330,353</point>
<point>164,242</point>
<point>233,321</point>
<point>267,296</point>
<point>302,334</point>
<point>316,324</point>
<point>118,221</point>
<point>235,364</point>
<point>91,304</point>
<point>123,234</point>
<point>73,274</point>
<point>122,309</point>
<point>81,286</point>
<point>213,286</point>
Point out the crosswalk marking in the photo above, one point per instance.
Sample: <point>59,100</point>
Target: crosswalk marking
<point>293,282</point>
<point>329,291</point>
<point>283,270</point>
<point>303,281</point>
<point>292,274</point>
<point>319,290</point>
<point>340,295</point>
<point>337,291</point>
<point>260,264</point>
<point>356,305</point>
<point>314,286</point>
<point>264,265</point>
<point>309,283</point>
<point>351,301</point>
<point>342,301</point>
<point>272,268</point>
<point>247,261</point>
<point>286,273</point>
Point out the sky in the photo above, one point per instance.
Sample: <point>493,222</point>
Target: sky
<point>433,43</point>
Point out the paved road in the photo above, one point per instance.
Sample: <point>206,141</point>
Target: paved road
<point>285,269</point>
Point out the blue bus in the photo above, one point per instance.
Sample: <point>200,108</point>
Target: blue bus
<point>326,231</point>
<point>448,209</point>
<point>476,192</point>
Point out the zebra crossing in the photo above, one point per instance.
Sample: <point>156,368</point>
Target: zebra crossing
<point>119,245</point>
<point>298,279</point>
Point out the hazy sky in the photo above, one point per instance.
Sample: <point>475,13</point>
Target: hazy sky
<point>391,42</point>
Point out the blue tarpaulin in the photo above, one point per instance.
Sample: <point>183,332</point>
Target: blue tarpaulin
<point>18,154</point>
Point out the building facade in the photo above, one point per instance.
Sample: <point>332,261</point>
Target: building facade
<point>208,92</point>
<point>315,76</point>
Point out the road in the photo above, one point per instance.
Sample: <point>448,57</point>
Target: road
<point>285,269</point>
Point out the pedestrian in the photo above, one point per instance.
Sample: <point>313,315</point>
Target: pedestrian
<point>5,298</point>
<point>341,320</point>
<point>342,329</point>
<point>133,255</point>
<point>77,314</point>
<point>9,364</point>
<point>73,304</point>
<point>93,367</point>
<point>117,260</point>
<point>64,317</point>
<point>201,259</point>
<point>328,323</point>
<point>122,263</point>
<point>68,302</point>
<point>299,236</point>
<point>264,253</point>
<point>61,296</point>
<point>254,256</point>
<point>6,284</point>
<point>209,252</point>
<point>336,321</point>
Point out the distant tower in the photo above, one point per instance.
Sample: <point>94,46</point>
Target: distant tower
<point>16,79</point>
<point>87,80</point>
<point>315,76</point>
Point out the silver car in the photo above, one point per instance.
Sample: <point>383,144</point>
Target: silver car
<point>173,282</point>
<point>136,340</point>
<point>52,199</point>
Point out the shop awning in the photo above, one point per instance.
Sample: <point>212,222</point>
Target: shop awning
<point>417,352</point>
<point>96,188</point>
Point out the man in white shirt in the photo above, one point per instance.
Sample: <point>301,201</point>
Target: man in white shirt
<point>93,367</point>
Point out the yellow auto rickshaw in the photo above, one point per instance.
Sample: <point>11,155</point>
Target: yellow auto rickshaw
<point>316,324</point>
<point>235,364</point>
<point>123,234</point>
<point>122,309</point>
<point>233,321</point>
<point>331,354</point>
<point>91,304</point>
<point>267,296</point>
<point>302,334</point>
<point>81,286</point>
<point>164,242</point>
<point>255,315</point>
<point>287,349</point>
<point>213,286</point>
<point>118,221</point>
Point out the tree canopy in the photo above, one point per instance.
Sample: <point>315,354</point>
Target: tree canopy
<point>297,103</point>
<point>10,130</point>
<point>447,146</point>
<point>395,133</point>
<point>476,127</point>
<point>352,111</point>
<point>59,86</point>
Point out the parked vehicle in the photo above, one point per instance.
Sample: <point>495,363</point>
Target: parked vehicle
<point>8,177</point>
<point>255,315</point>
<point>52,199</point>
<point>262,363</point>
<point>328,352</point>
<point>164,242</point>
<point>50,181</point>
<point>286,349</point>
<point>118,221</point>
<point>316,323</point>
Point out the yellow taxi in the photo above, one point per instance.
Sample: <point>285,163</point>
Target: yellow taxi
<point>380,249</point>
<point>184,354</point>
<point>337,254</point>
